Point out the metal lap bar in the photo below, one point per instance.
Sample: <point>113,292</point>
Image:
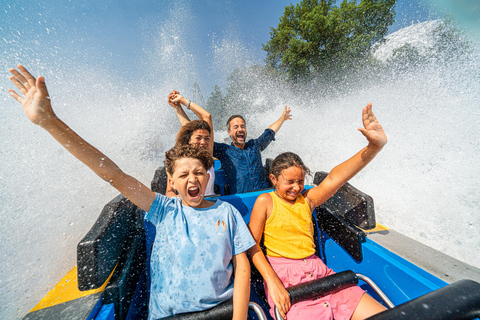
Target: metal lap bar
<point>377,289</point>
<point>258,310</point>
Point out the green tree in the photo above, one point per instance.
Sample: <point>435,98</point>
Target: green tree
<point>405,58</point>
<point>450,41</point>
<point>216,106</point>
<point>317,37</point>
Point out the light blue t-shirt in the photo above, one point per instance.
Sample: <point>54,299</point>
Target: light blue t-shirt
<point>191,267</point>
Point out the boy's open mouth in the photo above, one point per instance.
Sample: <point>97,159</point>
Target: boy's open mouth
<point>193,191</point>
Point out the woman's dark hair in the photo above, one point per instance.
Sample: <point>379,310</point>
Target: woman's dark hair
<point>186,131</point>
<point>233,117</point>
<point>187,151</point>
<point>286,160</point>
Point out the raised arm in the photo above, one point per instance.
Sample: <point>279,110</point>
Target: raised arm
<point>339,175</point>
<point>278,124</point>
<point>37,106</point>
<point>199,111</point>
<point>181,115</point>
<point>279,294</point>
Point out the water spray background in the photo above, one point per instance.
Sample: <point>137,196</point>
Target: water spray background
<point>425,182</point>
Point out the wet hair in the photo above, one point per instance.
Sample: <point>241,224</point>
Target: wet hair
<point>186,131</point>
<point>286,160</point>
<point>233,117</point>
<point>187,151</point>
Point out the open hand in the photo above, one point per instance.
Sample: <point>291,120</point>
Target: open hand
<point>372,130</point>
<point>286,114</point>
<point>35,101</point>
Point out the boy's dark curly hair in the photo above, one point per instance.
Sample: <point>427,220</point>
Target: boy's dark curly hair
<point>186,131</point>
<point>187,151</point>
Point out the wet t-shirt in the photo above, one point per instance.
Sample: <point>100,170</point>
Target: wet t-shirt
<point>191,263</point>
<point>243,167</point>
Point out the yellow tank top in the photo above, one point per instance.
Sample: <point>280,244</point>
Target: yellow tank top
<point>289,229</point>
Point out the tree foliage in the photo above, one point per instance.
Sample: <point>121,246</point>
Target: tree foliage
<point>450,41</point>
<point>216,105</point>
<point>317,37</point>
<point>244,86</point>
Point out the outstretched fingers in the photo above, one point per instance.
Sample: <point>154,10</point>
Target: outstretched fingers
<point>286,113</point>
<point>24,77</point>
<point>19,83</point>
<point>33,96</point>
<point>15,95</point>
<point>372,129</point>
<point>368,115</point>
<point>24,81</point>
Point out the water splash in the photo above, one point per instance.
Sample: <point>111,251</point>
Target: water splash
<point>427,96</point>
<point>424,182</point>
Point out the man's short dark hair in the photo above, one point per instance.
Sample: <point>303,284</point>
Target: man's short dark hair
<point>233,117</point>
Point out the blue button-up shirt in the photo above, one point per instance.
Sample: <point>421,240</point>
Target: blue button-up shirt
<point>243,167</point>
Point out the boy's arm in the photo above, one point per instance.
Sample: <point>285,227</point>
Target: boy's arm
<point>276,289</point>
<point>199,111</point>
<point>278,124</point>
<point>339,175</point>
<point>241,288</point>
<point>36,105</point>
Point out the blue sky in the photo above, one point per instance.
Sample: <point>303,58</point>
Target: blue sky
<point>116,34</point>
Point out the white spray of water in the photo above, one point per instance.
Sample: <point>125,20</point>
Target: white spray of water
<point>49,199</point>
<point>423,182</point>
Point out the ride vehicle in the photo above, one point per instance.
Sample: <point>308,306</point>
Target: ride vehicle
<point>112,272</point>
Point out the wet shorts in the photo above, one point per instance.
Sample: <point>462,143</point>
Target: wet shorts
<point>292,272</point>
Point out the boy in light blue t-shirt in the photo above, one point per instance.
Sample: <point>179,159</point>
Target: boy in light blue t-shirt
<point>193,251</point>
<point>198,244</point>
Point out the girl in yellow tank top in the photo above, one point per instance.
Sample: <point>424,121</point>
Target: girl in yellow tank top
<point>283,217</point>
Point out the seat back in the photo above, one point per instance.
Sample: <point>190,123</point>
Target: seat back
<point>353,205</point>
<point>101,249</point>
<point>342,216</point>
<point>115,242</point>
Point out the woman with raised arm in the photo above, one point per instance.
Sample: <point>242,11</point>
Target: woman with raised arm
<point>197,132</point>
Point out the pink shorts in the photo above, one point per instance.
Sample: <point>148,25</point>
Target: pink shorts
<point>340,305</point>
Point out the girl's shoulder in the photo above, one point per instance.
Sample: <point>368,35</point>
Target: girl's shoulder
<point>264,198</point>
<point>263,205</point>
